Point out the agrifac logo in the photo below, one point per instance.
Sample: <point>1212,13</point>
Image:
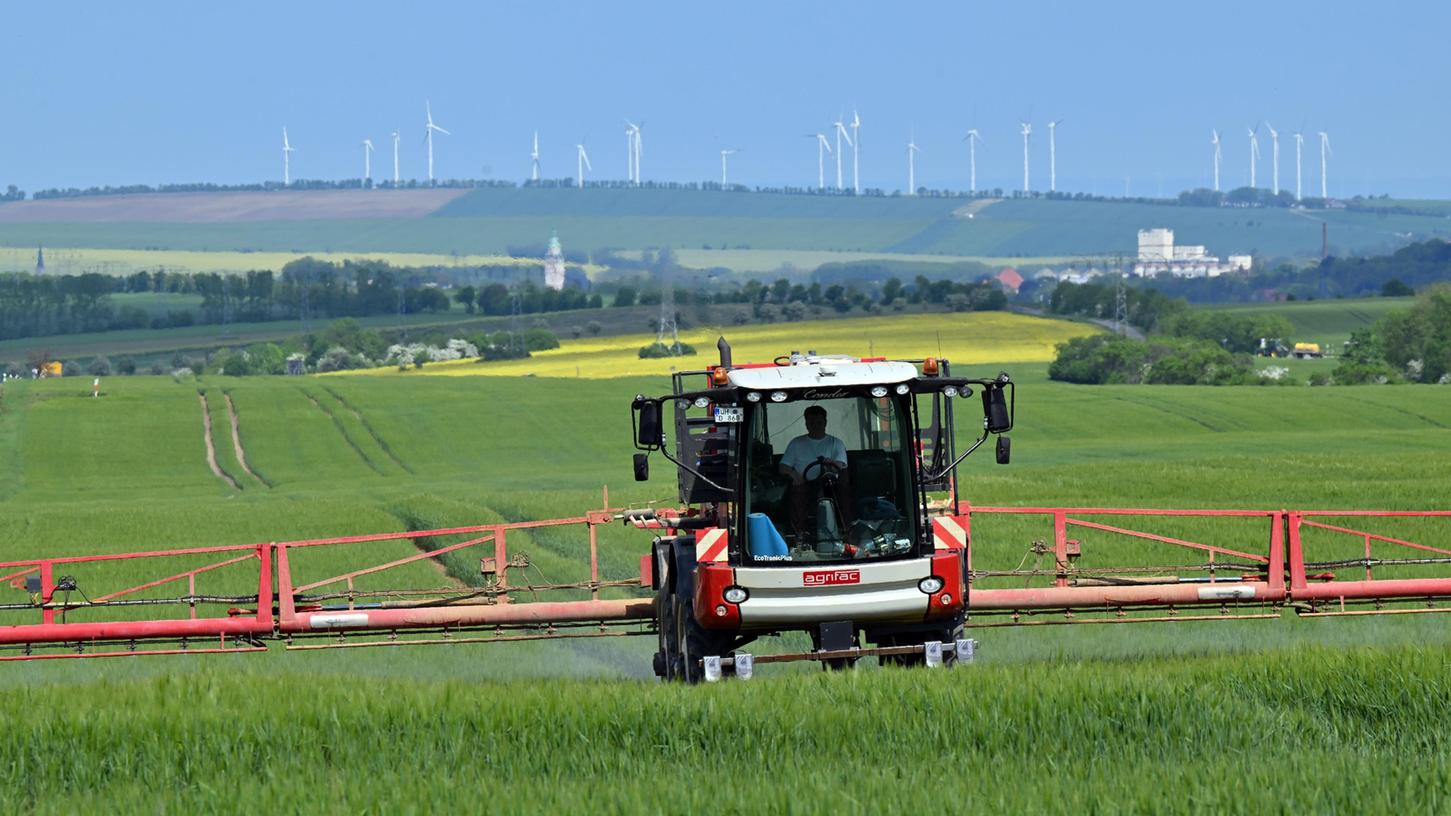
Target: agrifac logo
<point>831,577</point>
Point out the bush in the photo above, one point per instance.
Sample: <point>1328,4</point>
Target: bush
<point>1105,359</point>
<point>125,365</point>
<point>658,350</point>
<point>540,339</point>
<point>593,327</point>
<point>99,367</point>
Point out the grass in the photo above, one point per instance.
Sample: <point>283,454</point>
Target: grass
<point>487,221</point>
<point>769,260</point>
<point>1304,715</point>
<point>1328,322</point>
<point>1308,730</point>
<point>74,260</point>
<point>976,338</point>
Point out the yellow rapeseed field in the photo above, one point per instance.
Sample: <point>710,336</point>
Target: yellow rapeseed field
<point>970,338</point>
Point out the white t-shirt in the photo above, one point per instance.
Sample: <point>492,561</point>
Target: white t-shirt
<point>803,450</point>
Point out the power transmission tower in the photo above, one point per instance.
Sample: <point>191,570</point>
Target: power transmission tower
<point>667,314</point>
<point>226,306</point>
<point>516,328</point>
<point>1120,299</point>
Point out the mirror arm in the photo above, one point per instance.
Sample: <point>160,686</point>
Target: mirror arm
<point>692,471</point>
<point>955,462</point>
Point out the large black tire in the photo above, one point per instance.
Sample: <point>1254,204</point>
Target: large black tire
<point>666,657</point>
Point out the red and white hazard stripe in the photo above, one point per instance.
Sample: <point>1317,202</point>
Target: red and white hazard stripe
<point>949,533</point>
<point>710,545</point>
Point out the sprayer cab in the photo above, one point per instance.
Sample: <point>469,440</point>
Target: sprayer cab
<point>811,484</point>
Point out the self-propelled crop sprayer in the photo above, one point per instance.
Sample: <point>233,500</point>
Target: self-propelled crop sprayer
<point>818,494</point>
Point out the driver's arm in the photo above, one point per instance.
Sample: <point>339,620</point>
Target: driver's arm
<point>788,470</point>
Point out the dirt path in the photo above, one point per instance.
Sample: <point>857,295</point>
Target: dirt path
<point>237,439</point>
<point>212,451</point>
<point>971,209</point>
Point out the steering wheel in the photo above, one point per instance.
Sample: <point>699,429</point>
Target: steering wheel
<point>828,469</point>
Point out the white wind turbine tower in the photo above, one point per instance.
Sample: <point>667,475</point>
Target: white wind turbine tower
<point>1027,131</point>
<point>534,158</point>
<point>1299,147</point>
<point>1254,153</point>
<point>727,152</point>
<point>912,151</point>
<point>1274,156</point>
<point>840,134</point>
<point>582,160</point>
<point>428,135</point>
<point>1214,140</point>
<point>1324,151</point>
<point>395,158</point>
<point>1053,155</point>
<point>367,161</point>
<point>287,149</point>
<point>856,149</point>
<point>632,149</point>
<point>822,148</point>
<point>972,138</point>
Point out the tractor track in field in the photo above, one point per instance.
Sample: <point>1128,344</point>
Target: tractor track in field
<point>342,429</point>
<point>237,441</point>
<point>1149,403</point>
<point>211,448</point>
<point>368,426</point>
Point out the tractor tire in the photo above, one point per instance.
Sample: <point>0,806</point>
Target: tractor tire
<point>666,656</point>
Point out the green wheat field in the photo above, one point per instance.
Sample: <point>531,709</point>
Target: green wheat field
<point>1325,715</point>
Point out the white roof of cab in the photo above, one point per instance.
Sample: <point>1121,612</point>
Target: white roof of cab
<point>822,372</point>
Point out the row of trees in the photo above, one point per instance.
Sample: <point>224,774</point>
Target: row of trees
<point>1413,345</point>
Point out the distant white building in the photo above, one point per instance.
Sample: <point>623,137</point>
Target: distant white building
<point>554,264</point>
<point>1157,254</point>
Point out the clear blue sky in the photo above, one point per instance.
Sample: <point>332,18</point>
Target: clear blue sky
<point>153,92</point>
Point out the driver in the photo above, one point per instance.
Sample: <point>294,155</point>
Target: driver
<point>813,454</point>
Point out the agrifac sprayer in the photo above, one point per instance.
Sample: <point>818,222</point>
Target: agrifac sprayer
<point>818,494</point>
<point>809,485</point>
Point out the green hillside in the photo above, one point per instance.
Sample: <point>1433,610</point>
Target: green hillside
<point>1325,321</point>
<point>490,220</point>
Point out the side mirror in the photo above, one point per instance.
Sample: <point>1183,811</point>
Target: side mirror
<point>1005,449</point>
<point>995,409</point>
<point>642,466</point>
<point>648,432</point>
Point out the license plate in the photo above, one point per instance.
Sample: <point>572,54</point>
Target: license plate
<point>729,413</point>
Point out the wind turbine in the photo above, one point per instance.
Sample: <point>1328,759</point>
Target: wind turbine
<point>395,158</point>
<point>534,157</point>
<point>1299,147</point>
<point>1214,140</point>
<point>1254,152</point>
<point>1027,131</point>
<point>428,135</point>
<point>287,149</point>
<point>1274,155</point>
<point>972,138</point>
<point>1053,156</point>
<point>632,148</point>
<point>1324,151</point>
<point>727,152</point>
<point>582,160</point>
<point>912,151</point>
<point>840,134</point>
<point>367,161</point>
<point>822,148</point>
<point>856,149</point>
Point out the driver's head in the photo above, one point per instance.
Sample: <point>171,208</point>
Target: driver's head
<point>815,421</point>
